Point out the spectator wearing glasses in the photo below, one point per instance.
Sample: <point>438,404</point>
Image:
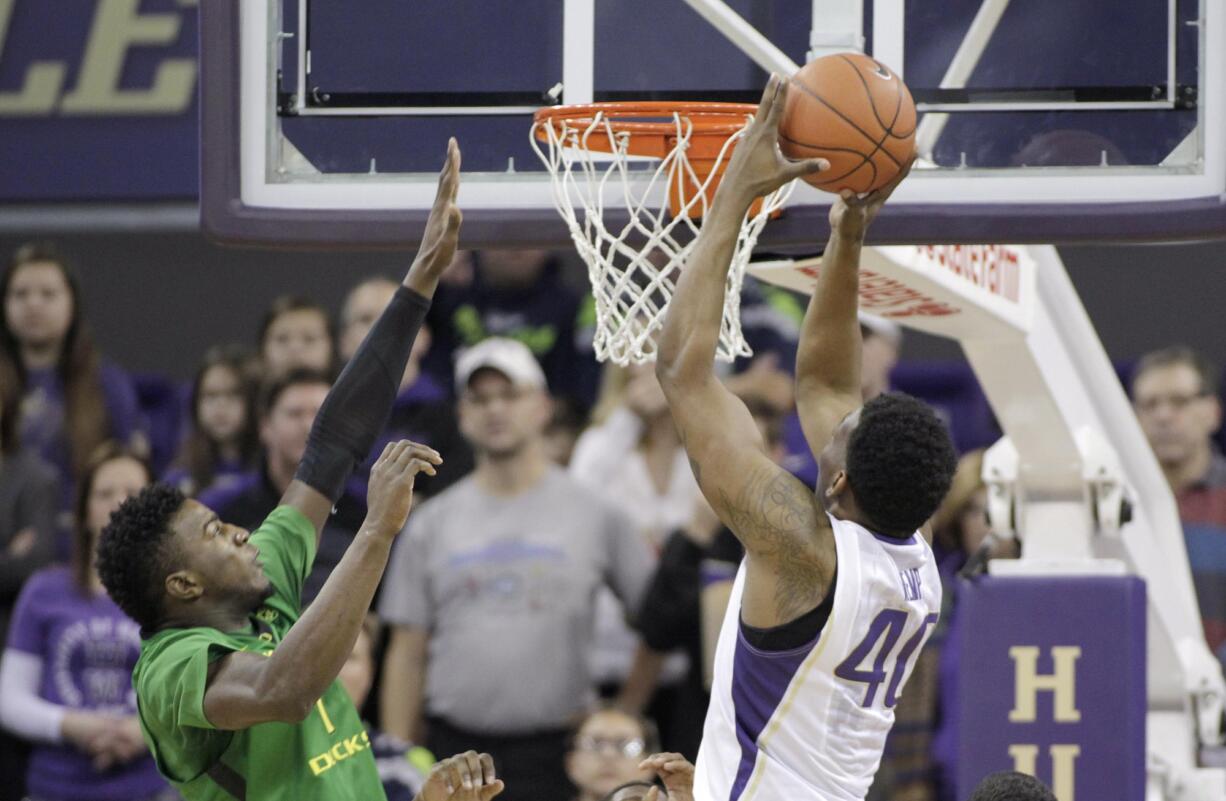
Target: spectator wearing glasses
<point>1175,393</point>
<point>606,751</point>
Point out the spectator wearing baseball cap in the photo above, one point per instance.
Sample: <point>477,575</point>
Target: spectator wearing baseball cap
<point>505,563</point>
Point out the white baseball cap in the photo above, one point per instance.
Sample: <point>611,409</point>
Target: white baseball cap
<point>507,356</point>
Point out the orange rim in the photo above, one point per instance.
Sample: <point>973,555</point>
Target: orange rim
<point>651,124</point>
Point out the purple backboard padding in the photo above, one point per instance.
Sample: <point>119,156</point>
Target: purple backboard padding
<point>1105,617</point>
<point>226,219</point>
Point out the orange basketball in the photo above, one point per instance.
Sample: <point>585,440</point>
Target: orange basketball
<point>854,112</point>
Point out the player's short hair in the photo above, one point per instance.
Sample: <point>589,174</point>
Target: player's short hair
<point>1179,355</point>
<point>1009,785</point>
<point>900,462</point>
<point>135,552</point>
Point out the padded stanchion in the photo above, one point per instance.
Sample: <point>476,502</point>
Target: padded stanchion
<point>1051,677</point>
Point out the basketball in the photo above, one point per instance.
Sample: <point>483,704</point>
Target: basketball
<point>854,112</point>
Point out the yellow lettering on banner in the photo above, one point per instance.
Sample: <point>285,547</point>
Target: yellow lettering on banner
<point>1063,765</point>
<point>1028,682</point>
<point>1063,758</point>
<point>1025,758</point>
<point>118,27</point>
<point>42,83</point>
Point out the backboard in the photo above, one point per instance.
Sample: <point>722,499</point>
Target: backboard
<point>323,122</point>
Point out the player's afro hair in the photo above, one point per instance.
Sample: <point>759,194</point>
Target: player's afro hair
<point>1009,785</point>
<point>134,552</point>
<point>900,462</point>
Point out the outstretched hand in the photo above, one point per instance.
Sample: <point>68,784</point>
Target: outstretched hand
<point>758,166</point>
<point>675,771</point>
<point>442,234</point>
<point>463,777</point>
<point>390,494</point>
<point>851,214</point>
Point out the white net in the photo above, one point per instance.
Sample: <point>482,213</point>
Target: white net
<point>634,266</point>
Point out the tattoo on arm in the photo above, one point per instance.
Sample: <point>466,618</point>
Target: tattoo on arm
<point>777,519</point>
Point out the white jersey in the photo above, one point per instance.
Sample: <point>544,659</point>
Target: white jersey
<point>809,724</point>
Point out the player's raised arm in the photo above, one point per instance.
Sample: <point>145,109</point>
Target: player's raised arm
<point>245,689</point>
<point>828,358</point>
<point>772,513</point>
<point>358,405</point>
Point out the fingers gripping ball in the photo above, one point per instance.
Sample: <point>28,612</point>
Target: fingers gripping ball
<point>855,113</point>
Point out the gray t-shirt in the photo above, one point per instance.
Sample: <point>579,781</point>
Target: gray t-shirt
<point>507,587</point>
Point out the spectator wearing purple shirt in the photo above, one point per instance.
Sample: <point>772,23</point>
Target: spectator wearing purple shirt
<point>65,677</point>
<point>224,440</point>
<point>71,401</point>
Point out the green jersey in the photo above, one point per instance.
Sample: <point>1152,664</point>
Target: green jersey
<point>327,756</point>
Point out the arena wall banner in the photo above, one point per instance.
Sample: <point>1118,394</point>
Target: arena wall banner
<point>98,100</point>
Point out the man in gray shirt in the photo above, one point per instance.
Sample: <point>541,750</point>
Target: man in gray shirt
<point>491,591</point>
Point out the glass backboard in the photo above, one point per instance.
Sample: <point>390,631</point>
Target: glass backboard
<point>1041,120</point>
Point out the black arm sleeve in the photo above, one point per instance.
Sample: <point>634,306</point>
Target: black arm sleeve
<point>358,405</point>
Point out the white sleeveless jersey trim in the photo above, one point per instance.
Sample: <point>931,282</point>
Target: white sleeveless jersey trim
<point>810,724</point>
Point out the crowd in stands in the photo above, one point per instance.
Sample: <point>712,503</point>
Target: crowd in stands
<point>564,539</point>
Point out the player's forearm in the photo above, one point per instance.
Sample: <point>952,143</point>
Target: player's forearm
<point>316,647</point>
<point>442,231</point>
<point>358,405</point>
<point>691,327</point>
<point>423,277</point>
<point>828,358</point>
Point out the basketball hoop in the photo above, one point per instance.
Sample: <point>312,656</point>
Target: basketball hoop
<point>632,154</point>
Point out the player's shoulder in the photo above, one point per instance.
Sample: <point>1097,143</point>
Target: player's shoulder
<point>287,516</point>
<point>163,652</point>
